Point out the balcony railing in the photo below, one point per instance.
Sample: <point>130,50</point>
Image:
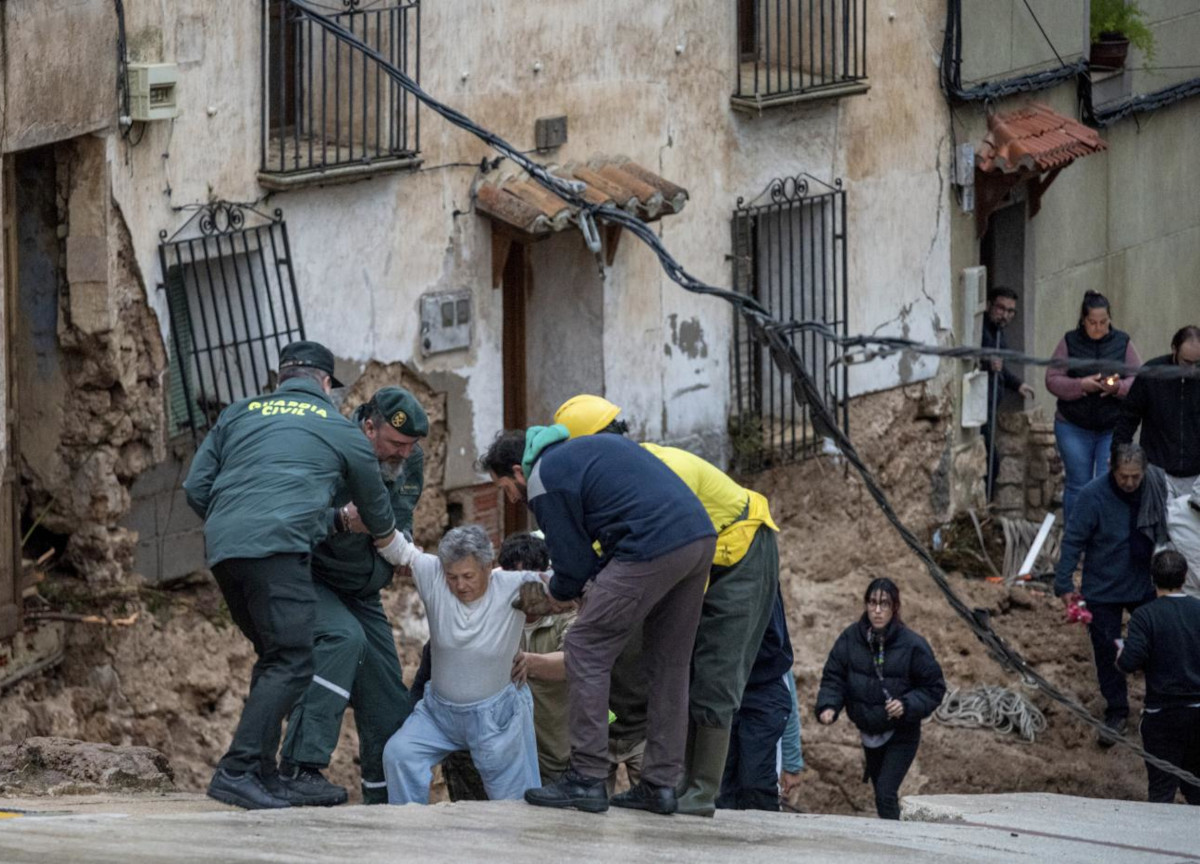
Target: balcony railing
<point>792,50</point>
<point>327,109</point>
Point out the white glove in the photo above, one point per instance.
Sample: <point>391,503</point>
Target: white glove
<point>398,552</point>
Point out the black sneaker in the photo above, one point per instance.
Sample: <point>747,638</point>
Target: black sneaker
<point>573,790</point>
<point>305,787</point>
<point>1113,727</point>
<point>643,796</point>
<point>245,790</point>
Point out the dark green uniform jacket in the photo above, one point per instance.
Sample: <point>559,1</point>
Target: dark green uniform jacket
<point>347,562</point>
<point>266,473</point>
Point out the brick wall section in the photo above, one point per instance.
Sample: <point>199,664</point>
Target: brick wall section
<point>480,505</point>
<point>1029,480</point>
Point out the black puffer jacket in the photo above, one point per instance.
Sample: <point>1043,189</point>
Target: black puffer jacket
<point>910,674</point>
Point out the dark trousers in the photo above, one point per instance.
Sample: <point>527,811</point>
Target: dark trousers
<point>887,765</point>
<point>271,601</point>
<point>354,663</point>
<point>1172,734</point>
<point>666,593</point>
<point>1104,630</point>
<point>736,612</point>
<point>751,780</point>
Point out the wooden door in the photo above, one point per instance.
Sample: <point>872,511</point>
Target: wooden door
<point>515,284</point>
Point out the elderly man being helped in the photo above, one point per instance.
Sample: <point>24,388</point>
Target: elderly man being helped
<point>470,703</point>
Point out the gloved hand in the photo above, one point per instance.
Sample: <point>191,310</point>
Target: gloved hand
<point>397,551</point>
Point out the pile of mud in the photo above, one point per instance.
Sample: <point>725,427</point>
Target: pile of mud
<point>175,681</point>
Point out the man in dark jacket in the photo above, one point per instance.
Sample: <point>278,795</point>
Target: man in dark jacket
<point>658,545</point>
<point>1164,641</point>
<point>354,652</point>
<point>1116,568</point>
<point>262,481</point>
<point>1165,402</point>
<point>1001,309</point>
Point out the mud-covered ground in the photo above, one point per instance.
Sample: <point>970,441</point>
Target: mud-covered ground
<point>176,679</point>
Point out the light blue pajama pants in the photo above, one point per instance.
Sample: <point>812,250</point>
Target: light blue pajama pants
<point>498,731</point>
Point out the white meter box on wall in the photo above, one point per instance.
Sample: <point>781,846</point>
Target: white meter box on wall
<point>152,89</point>
<point>445,322</point>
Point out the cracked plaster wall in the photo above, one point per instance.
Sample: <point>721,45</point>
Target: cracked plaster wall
<point>659,93</point>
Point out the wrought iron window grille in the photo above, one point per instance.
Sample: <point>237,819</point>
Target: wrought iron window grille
<point>790,50</point>
<point>327,110</point>
<point>790,254</point>
<point>232,304</point>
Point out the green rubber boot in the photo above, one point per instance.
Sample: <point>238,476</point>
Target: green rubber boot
<point>705,768</point>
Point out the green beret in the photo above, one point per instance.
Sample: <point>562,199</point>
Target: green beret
<point>402,411</point>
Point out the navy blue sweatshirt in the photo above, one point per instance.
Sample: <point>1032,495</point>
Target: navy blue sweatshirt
<point>607,489</point>
<point>1164,640</point>
<point>1116,557</point>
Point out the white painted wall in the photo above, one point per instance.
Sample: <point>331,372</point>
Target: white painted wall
<point>647,80</point>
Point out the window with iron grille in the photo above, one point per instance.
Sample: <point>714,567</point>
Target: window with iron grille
<point>328,109</point>
<point>232,301</point>
<point>790,50</point>
<point>789,253</point>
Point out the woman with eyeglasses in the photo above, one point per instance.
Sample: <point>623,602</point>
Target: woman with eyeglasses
<point>887,680</point>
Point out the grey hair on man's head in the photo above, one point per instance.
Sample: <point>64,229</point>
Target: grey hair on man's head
<point>1129,453</point>
<point>466,541</point>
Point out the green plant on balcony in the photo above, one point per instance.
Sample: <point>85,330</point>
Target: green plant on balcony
<point>1115,25</point>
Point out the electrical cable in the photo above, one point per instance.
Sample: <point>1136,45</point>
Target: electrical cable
<point>769,333</point>
<point>1045,35</point>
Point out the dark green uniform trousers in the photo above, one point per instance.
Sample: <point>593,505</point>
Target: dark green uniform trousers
<point>737,609</point>
<point>355,663</point>
<point>271,601</point>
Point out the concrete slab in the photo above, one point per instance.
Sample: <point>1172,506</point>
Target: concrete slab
<point>1121,827</point>
<point>199,831</point>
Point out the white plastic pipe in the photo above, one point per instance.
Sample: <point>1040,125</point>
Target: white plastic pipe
<point>1038,542</point>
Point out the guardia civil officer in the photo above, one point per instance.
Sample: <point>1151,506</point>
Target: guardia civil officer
<point>263,481</point>
<point>354,652</point>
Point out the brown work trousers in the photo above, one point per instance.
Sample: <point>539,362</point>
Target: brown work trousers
<point>666,593</point>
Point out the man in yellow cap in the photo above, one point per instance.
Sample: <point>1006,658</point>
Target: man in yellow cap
<point>742,591</point>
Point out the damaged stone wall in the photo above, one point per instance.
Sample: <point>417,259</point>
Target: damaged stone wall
<point>110,365</point>
<point>1029,480</point>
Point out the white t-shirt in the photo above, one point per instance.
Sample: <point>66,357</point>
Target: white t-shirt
<point>472,644</point>
<point>1183,526</point>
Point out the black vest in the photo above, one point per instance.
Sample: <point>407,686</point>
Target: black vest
<point>1093,412</point>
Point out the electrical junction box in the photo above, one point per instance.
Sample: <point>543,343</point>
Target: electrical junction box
<point>445,322</point>
<point>152,90</point>
<point>550,132</point>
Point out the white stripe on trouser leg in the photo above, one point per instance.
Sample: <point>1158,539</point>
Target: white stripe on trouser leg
<point>329,685</point>
<point>373,784</point>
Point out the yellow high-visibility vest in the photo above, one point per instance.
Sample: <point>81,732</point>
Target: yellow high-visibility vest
<point>736,512</point>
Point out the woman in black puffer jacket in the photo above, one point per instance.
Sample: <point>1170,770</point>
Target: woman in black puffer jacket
<point>887,679</point>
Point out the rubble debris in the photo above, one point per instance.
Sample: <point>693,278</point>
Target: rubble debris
<point>64,766</point>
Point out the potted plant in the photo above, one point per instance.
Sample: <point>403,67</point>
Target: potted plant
<point>1115,25</point>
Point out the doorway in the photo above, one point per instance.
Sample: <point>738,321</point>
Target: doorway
<point>1002,252</point>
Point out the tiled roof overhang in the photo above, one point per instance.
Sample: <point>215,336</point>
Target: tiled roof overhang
<point>1030,145</point>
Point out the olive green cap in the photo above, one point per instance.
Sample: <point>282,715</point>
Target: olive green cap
<point>402,411</point>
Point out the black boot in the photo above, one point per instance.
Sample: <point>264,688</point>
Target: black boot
<point>573,790</point>
<point>303,786</point>
<point>245,790</point>
<point>643,796</point>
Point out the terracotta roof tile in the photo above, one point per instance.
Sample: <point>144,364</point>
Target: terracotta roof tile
<point>1037,139</point>
<point>523,204</point>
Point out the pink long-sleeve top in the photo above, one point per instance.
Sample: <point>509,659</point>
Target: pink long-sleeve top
<point>1069,389</point>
